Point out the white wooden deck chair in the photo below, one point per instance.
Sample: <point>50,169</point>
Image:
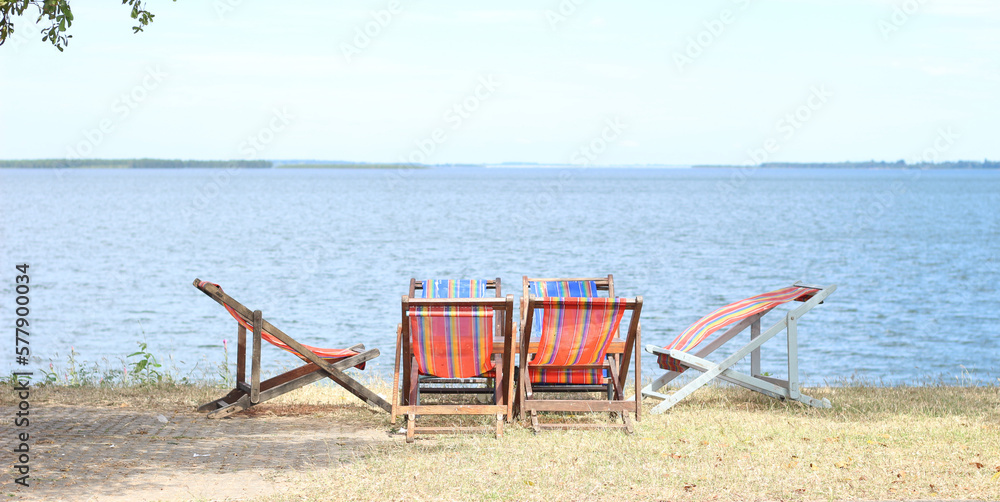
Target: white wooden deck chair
<point>676,357</point>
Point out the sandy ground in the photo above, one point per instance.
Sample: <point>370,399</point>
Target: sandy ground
<point>103,453</point>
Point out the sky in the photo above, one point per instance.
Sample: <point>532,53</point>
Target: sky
<point>583,82</point>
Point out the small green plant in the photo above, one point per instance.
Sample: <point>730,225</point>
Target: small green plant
<point>229,380</point>
<point>78,374</point>
<point>50,376</point>
<point>145,370</point>
<point>15,380</point>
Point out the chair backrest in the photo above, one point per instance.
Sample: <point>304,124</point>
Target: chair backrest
<point>453,337</point>
<point>574,336</point>
<point>734,313</point>
<point>586,287</point>
<point>452,288</point>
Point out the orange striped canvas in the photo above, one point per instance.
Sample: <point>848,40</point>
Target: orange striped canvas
<point>319,351</point>
<point>726,316</point>
<point>451,341</point>
<point>575,331</point>
<point>558,289</point>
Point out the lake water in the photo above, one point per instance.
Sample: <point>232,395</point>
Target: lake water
<point>326,254</point>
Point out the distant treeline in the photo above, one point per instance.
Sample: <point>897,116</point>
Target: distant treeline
<point>131,163</point>
<point>899,164</point>
<point>180,164</point>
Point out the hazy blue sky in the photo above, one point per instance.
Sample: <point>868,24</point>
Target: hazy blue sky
<point>587,82</point>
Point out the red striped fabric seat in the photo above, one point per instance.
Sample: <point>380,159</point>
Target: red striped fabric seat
<point>264,335</point>
<point>728,315</point>
<point>451,341</point>
<point>573,332</point>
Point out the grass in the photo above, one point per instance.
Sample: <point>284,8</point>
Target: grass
<point>876,443</point>
<point>884,443</point>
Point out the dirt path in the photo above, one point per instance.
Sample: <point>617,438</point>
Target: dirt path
<point>100,453</point>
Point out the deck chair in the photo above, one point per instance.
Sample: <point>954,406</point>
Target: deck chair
<point>439,288</point>
<point>676,358</point>
<point>587,287</point>
<point>453,338</point>
<point>572,352</point>
<point>320,363</point>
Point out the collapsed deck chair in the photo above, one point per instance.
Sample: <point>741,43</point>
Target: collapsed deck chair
<point>320,363</point>
<point>676,357</point>
<point>572,352</point>
<point>444,288</point>
<point>453,338</point>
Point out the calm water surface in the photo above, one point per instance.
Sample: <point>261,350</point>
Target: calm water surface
<point>326,255</point>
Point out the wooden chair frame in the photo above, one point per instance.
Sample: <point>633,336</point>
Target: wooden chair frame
<point>774,387</point>
<point>504,366</point>
<point>616,364</point>
<point>247,394</point>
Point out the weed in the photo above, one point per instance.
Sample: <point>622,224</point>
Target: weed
<point>145,370</point>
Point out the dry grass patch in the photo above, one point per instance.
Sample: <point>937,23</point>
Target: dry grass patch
<point>151,396</point>
<point>876,443</point>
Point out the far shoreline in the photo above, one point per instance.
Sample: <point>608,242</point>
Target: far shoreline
<point>147,163</point>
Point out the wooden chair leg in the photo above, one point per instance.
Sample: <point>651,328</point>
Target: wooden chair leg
<point>395,374</point>
<point>241,354</point>
<point>515,405</point>
<point>411,423</point>
<point>629,426</point>
<point>413,393</point>
<point>498,379</point>
<point>258,322</point>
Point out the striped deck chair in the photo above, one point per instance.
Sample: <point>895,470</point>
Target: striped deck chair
<point>319,363</point>
<point>453,338</point>
<point>573,351</point>
<point>446,288</point>
<point>587,287</point>
<point>676,358</point>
